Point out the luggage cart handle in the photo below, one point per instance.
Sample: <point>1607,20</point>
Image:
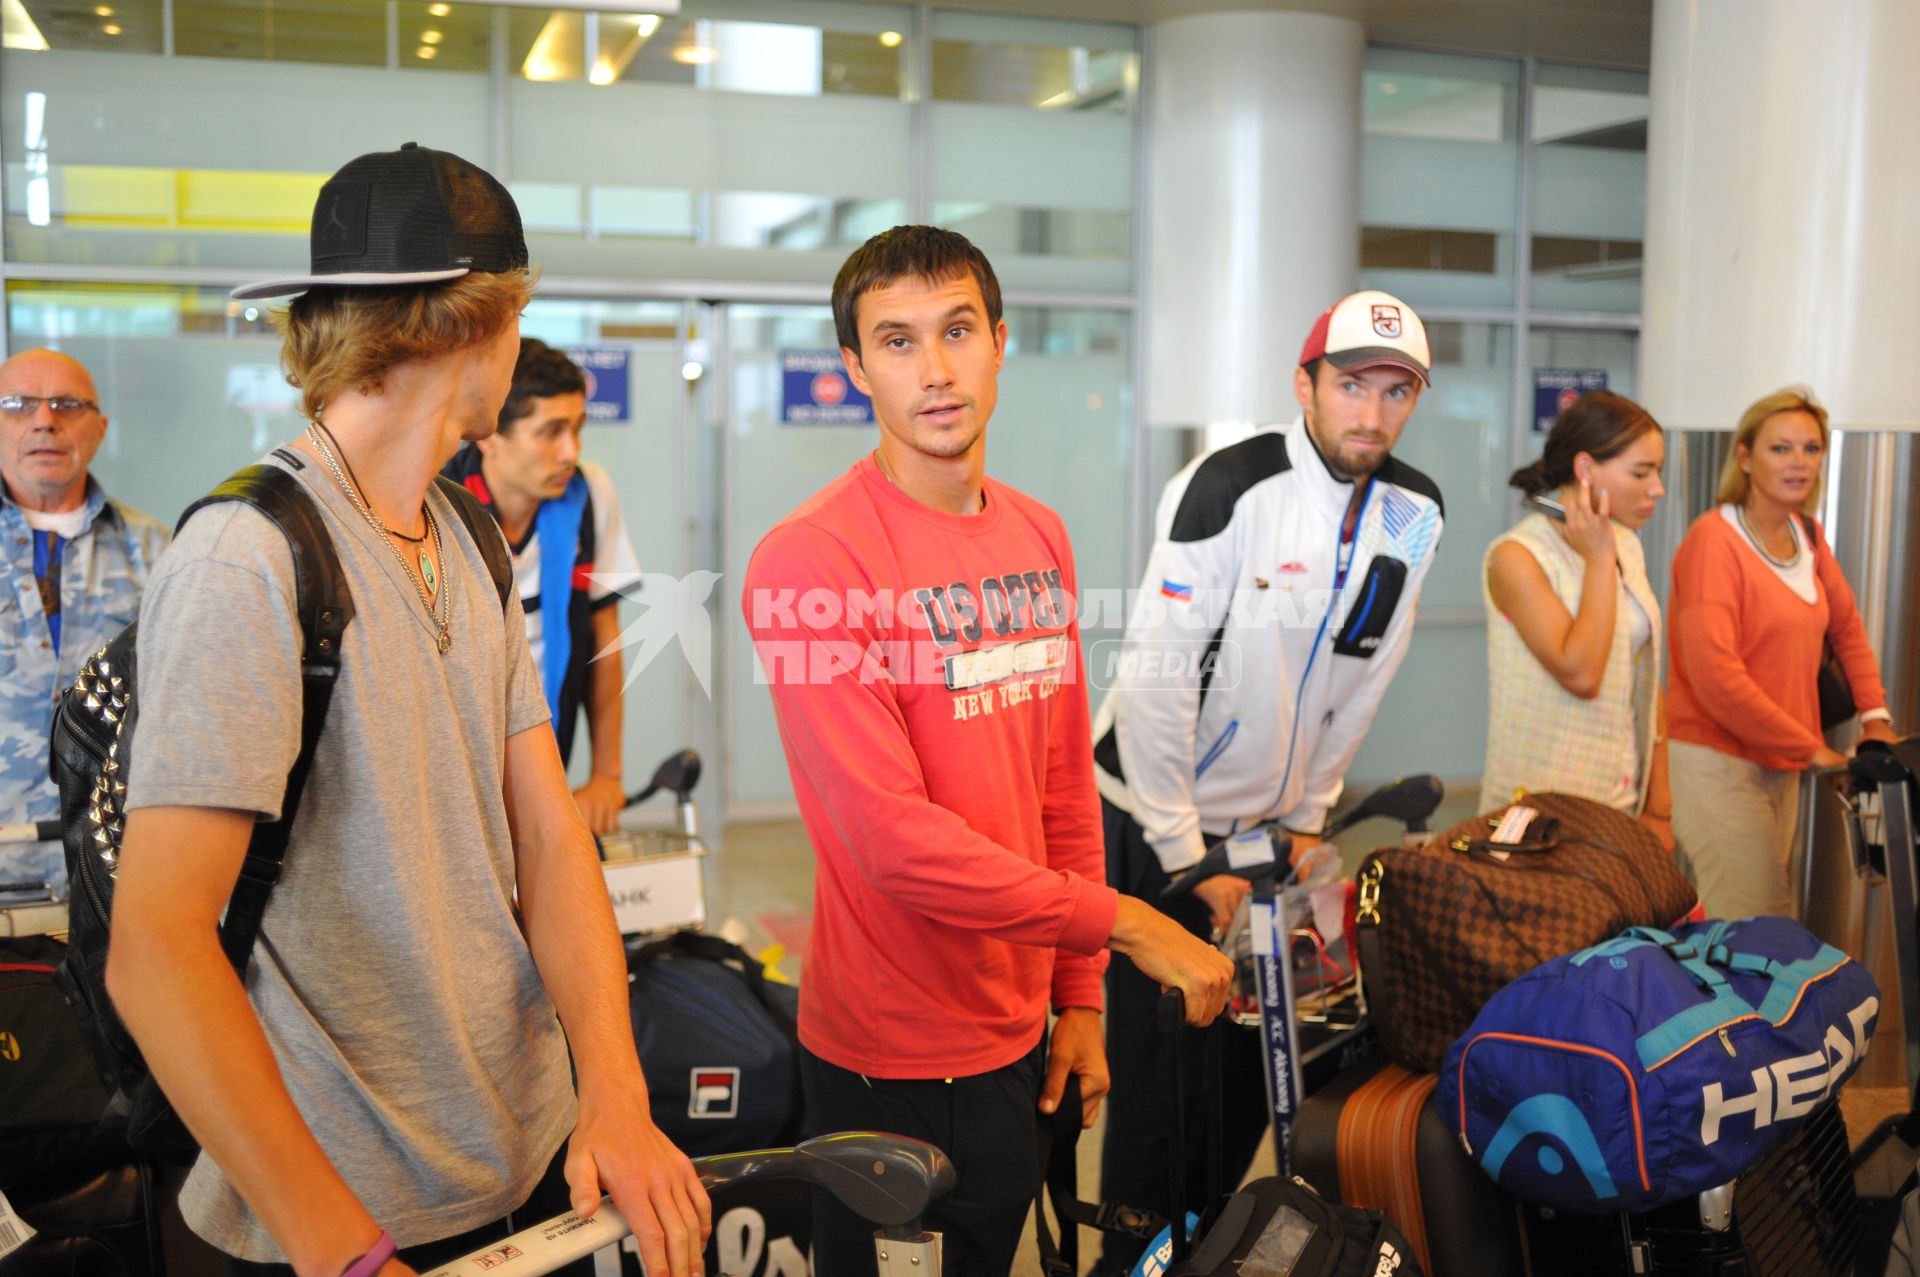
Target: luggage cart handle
<point>889,1179</point>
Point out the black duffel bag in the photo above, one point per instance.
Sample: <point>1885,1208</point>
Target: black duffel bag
<point>718,1042</point>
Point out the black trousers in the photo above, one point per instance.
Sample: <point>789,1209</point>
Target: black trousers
<point>549,1198</point>
<point>985,1123</point>
<point>1137,1156</point>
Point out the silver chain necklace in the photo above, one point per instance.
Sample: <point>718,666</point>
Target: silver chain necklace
<point>427,584</point>
<point>1765,553</point>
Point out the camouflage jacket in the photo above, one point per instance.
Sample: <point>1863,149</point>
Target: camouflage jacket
<point>103,572</point>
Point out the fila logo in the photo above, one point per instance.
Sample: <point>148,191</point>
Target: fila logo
<point>713,1092</point>
<point>1791,1088</point>
<point>1389,1261</point>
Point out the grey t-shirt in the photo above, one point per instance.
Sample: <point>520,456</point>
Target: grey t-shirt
<point>391,974</point>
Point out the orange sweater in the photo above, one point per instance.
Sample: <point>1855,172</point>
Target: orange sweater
<point>1746,649</point>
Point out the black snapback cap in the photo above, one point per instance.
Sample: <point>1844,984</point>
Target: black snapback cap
<point>411,216</point>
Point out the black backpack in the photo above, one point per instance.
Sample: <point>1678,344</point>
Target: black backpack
<point>92,754</point>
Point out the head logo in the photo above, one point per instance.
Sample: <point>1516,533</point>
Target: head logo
<point>1389,1262</point>
<point>1386,321</point>
<point>1558,1118</point>
<point>1789,1089</point>
<point>713,1092</point>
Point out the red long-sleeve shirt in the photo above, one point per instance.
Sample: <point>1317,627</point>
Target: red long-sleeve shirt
<point>1746,649</point>
<point>925,670</point>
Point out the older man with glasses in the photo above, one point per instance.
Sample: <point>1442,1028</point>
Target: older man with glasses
<point>76,562</point>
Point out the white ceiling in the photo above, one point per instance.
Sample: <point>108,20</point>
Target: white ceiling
<point>1599,32</point>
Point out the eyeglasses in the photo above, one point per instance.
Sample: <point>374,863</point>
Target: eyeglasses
<point>64,406</point>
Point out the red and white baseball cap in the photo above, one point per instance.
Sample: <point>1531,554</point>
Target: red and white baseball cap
<point>1368,329</point>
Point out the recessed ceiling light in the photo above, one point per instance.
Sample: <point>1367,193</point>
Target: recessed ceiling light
<point>103,11</point>
<point>439,10</point>
<point>890,39</point>
<point>113,28</point>
<point>430,37</point>
<point>426,53</point>
<point>695,54</point>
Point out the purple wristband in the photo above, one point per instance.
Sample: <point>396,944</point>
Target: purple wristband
<point>374,1260</point>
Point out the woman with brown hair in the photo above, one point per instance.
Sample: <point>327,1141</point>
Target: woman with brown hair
<point>1756,597</point>
<point>1573,628</point>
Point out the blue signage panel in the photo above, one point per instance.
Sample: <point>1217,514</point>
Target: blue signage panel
<point>1555,388</point>
<point>816,391</point>
<point>606,369</point>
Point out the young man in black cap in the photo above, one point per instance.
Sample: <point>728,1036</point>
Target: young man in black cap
<point>394,1069</point>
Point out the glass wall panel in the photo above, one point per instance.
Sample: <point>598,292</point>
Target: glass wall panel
<point>200,162</point>
<point>443,37</point>
<point>1440,166</point>
<point>1589,188</point>
<point>771,468</point>
<point>1553,353</point>
<point>752,134</point>
<point>1460,436</point>
<point>347,32</point>
<point>118,26</point>
<point>1033,126</point>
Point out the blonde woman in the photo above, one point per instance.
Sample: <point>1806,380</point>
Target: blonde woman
<point>1756,594</point>
<point>1573,628</point>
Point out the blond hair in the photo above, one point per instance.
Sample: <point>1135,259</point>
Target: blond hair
<point>339,340</point>
<point>1735,483</point>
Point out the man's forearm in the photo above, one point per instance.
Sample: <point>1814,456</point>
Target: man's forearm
<point>177,994</point>
<point>576,946</point>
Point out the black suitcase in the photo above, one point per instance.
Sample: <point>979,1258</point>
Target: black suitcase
<point>98,1223</point>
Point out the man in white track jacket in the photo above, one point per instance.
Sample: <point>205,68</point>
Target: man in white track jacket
<point>1277,604</point>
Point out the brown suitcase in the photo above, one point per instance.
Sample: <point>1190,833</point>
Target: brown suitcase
<point>1374,1137</point>
<point>1444,926</point>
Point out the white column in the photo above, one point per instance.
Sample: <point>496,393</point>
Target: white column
<point>1783,210</point>
<point>1253,135</point>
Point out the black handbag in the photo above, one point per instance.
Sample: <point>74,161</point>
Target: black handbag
<point>1836,693</point>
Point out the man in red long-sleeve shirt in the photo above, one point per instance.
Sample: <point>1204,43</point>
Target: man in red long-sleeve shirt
<point>915,623</point>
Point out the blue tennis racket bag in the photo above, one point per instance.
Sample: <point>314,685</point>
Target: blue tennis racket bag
<point>1657,1065</point>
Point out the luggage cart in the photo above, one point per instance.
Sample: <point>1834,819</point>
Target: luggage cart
<point>655,877</point>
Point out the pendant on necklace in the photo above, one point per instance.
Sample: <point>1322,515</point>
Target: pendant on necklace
<point>427,577</point>
<point>445,640</point>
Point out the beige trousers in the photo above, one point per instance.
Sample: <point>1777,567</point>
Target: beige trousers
<point>1734,822</point>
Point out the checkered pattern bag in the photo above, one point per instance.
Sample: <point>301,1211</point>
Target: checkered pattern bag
<point>1444,926</point>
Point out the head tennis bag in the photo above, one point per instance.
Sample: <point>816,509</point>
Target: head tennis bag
<point>1657,1065</point>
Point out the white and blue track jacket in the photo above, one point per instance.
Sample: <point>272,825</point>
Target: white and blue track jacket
<point>1259,647</point>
